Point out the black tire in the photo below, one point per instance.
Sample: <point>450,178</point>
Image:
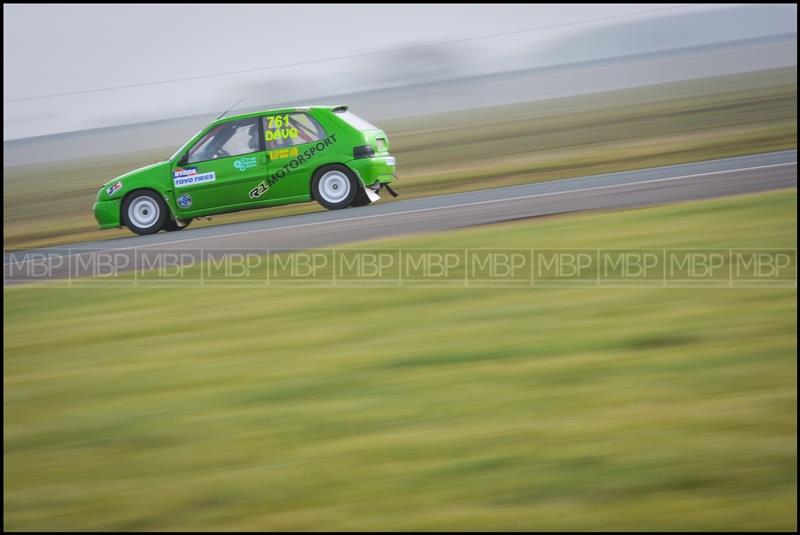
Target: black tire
<point>172,225</point>
<point>144,212</point>
<point>329,183</point>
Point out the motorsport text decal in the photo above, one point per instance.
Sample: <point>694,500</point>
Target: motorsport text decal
<point>309,153</point>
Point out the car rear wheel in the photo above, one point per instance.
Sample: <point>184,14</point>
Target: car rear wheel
<point>334,186</point>
<point>144,212</point>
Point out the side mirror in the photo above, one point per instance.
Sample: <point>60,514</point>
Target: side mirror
<point>184,159</point>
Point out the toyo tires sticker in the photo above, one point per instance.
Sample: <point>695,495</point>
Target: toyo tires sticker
<point>190,177</point>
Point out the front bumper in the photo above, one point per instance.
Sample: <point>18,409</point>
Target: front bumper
<point>107,213</point>
<point>371,170</point>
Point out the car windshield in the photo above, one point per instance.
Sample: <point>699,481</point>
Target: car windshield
<point>355,121</point>
<point>183,147</point>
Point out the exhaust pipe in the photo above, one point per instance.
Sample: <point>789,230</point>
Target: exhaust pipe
<point>392,192</point>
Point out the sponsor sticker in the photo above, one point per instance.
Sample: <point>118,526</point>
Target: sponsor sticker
<point>279,154</point>
<point>180,172</point>
<point>245,162</point>
<point>113,188</point>
<point>185,200</point>
<point>191,180</point>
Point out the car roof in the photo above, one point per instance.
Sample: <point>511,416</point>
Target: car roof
<point>277,110</point>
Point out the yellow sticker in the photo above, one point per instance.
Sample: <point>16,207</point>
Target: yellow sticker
<point>282,153</point>
<point>282,133</point>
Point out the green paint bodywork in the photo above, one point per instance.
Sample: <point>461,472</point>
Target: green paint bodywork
<point>230,191</point>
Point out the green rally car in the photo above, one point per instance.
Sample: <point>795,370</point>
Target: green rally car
<point>269,158</point>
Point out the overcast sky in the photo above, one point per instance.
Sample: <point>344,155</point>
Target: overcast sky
<point>51,49</point>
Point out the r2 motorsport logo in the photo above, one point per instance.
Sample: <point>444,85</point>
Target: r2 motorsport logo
<point>309,153</point>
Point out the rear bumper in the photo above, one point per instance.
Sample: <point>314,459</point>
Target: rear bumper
<point>107,213</point>
<point>371,170</point>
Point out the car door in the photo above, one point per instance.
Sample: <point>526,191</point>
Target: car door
<point>288,137</point>
<point>218,172</point>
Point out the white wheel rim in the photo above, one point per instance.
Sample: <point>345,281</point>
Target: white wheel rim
<point>334,186</point>
<point>143,212</point>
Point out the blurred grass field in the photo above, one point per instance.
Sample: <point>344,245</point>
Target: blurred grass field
<point>695,120</point>
<point>411,409</point>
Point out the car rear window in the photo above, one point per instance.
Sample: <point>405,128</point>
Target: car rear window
<point>355,121</point>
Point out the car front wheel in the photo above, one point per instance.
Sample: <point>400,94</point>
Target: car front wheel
<point>144,212</point>
<point>334,186</point>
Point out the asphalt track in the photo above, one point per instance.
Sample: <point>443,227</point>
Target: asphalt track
<point>700,180</point>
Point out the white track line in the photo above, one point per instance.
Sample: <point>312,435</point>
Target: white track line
<point>431,209</point>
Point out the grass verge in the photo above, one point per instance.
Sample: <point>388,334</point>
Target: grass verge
<point>409,409</point>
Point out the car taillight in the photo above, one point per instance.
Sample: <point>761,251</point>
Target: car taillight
<point>364,151</point>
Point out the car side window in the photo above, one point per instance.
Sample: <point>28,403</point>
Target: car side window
<point>289,129</point>
<point>228,139</point>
